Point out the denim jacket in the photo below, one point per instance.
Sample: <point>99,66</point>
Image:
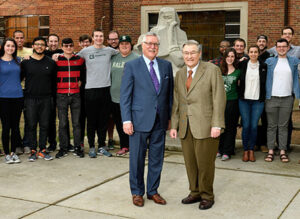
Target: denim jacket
<point>272,62</point>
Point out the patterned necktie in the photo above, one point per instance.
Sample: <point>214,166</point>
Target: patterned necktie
<point>189,80</point>
<point>154,77</point>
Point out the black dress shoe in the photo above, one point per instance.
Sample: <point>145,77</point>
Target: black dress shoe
<point>190,200</point>
<point>206,204</point>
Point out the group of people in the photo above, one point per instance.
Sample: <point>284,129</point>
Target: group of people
<point>56,81</point>
<point>201,105</point>
<point>259,85</point>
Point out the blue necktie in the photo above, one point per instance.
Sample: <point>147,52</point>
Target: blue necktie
<point>154,77</point>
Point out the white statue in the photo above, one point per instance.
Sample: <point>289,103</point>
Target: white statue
<point>171,37</point>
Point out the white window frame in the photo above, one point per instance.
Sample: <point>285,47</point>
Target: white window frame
<point>224,6</point>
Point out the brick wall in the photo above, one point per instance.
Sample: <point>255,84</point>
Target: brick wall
<point>294,18</point>
<point>68,18</point>
<point>127,17</point>
<point>71,18</point>
<point>264,17</point>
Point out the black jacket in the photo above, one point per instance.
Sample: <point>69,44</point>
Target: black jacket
<point>262,79</point>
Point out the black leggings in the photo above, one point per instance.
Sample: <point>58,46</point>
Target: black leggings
<point>10,113</point>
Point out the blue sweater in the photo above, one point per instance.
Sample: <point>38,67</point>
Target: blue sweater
<point>10,80</point>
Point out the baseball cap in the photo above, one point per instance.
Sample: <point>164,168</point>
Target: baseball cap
<point>125,38</point>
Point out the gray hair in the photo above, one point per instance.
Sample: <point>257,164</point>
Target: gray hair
<point>192,42</point>
<point>150,34</point>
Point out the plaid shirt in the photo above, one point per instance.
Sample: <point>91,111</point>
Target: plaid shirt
<point>217,61</point>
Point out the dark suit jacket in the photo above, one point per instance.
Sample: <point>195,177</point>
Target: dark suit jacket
<point>139,100</point>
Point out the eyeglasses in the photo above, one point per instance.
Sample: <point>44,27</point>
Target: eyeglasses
<point>151,44</point>
<point>40,44</point>
<point>68,46</point>
<point>190,53</point>
<point>114,39</point>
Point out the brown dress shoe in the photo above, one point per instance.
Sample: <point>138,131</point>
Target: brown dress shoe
<point>138,200</point>
<point>251,156</point>
<point>246,156</point>
<point>190,200</point>
<point>206,204</point>
<point>157,199</point>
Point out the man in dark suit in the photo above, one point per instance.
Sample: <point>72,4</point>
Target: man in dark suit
<point>146,102</point>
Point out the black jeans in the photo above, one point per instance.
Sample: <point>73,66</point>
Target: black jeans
<point>64,101</point>
<point>52,125</point>
<point>82,115</point>
<point>38,111</point>
<point>10,113</point>
<point>262,130</point>
<point>97,102</point>
<point>116,112</point>
<point>227,139</point>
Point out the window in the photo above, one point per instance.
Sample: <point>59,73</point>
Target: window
<point>209,28</point>
<point>31,25</point>
<point>232,25</point>
<point>2,29</point>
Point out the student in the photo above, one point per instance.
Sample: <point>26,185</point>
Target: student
<point>40,85</point>
<point>69,70</point>
<point>231,76</point>
<point>252,94</point>
<point>11,99</point>
<point>97,94</point>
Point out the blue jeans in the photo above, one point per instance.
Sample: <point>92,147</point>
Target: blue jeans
<point>250,111</point>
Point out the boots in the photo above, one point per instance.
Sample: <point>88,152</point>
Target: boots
<point>251,156</point>
<point>246,156</point>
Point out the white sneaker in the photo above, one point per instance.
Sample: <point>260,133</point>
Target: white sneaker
<point>8,159</point>
<point>15,158</point>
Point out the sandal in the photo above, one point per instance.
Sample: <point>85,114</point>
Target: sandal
<point>284,158</point>
<point>269,157</point>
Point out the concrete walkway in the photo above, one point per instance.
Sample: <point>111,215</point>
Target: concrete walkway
<point>98,188</point>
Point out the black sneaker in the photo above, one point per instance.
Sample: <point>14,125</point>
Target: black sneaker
<point>61,153</point>
<point>111,144</point>
<point>79,152</point>
<point>51,148</point>
<point>71,148</point>
<point>33,156</point>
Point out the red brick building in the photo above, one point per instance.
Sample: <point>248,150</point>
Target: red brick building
<point>205,20</point>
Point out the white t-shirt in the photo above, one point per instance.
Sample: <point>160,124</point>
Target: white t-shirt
<point>282,79</point>
<point>252,81</point>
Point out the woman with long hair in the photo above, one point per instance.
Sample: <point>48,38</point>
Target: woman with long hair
<point>11,99</point>
<point>231,76</point>
<point>252,93</point>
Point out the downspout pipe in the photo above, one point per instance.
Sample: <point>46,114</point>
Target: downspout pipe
<point>286,12</point>
<point>111,14</point>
